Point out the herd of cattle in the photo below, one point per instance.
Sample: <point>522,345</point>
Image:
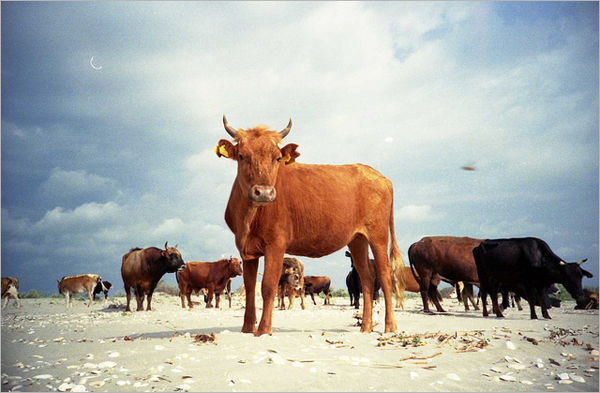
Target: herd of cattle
<point>278,206</point>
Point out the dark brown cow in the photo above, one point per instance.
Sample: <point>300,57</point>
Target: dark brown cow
<point>10,287</point>
<point>142,269</point>
<point>210,275</point>
<point>447,258</point>
<point>317,284</point>
<point>277,206</point>
<point>291,282</point>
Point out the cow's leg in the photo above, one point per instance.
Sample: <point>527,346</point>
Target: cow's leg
<point>424,283</point>
<point>128,295</point>
<point>312,296</point>
<point>359,249</point>
<point>149,298</point>
<point>217,299</point>
<point>468,296</point>
<point>291,297</point>
<point>281,297</point>
<point>483,296</point>
<point>302,297</point>
<point>250,271</point>
<point>494,296</point>
<point>384,269</point>
<point>273,266</point>
<point>188,295</point>
<point>541,294</point>
<point>90,297</point>
<point>139,297</point>
<point>67,299</point>
<point>518,301</point>
<point>5,302</point>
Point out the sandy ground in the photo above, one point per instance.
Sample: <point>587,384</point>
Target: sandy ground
<point>103,348</point>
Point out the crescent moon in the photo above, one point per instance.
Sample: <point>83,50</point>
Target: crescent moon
<point>92,64</point>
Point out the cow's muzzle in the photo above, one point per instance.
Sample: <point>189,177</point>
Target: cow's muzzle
<point>262,195</point>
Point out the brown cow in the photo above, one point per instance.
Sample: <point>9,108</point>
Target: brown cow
<point>142,269</point>
<point>81,283</point>
<point>277,206</point>
<point>213,276</point>
<point>10,287</point>
<point>445,258</point>
<point>291,282</point>
<point>318,284</point>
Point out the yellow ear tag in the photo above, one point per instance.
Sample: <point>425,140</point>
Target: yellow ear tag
<point>287,159</point>
<point>221,150</point>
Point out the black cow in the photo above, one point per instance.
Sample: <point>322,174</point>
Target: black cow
<point>354,286</point>
<point>98,290</point>
<point>525,266</point>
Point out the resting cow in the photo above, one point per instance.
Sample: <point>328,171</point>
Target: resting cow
<point>525,266</point>
<point>71,285</point>
<point>354,286</point>
<point>102,287</point>
<point>589,301</point>
<point>448,258</point>
<point>213,276</point>
<point>317,284</point>
<point>278,206</point>
<point>10,287</point>
<point>291,282</point>
<point>142,269</point>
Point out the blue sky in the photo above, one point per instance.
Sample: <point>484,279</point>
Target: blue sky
<point>98,160</point>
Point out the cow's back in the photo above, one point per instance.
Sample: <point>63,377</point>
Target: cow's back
<point>137,263</point>
<point>341,194</point>
<point>449,256</point>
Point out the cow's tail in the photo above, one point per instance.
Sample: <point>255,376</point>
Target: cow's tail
<point>398,283</point>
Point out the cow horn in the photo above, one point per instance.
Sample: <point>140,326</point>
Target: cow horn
<point>166,248</point>
<point>580,262</point>
<point>286,130</point>
<point>561,263</point>
<point>230,130</point>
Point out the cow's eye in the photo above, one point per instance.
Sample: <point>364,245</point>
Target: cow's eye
<point>241,157</point>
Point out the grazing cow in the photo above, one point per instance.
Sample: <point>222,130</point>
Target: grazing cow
<point>218,293</point>
<point>291,282</point>
<point>525,266</point>
<point>142,269</point>
<point>589,301</point>
<point>277,206</point>
<point>102,287</point>
<point>354,286</point>
<point>447,258</point>
<point>317,284</point>
<point>71,285</point>
<point>210,275</point>
<point>10,287</point>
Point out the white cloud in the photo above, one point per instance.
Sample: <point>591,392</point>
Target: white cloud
<point>86,215</point>
<point>64,184</point>
<point>418,213</point>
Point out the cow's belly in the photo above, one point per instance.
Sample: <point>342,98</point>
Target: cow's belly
<point>318,247</point>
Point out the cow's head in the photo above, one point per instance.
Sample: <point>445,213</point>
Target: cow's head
<point>292,278</point>
<point>174,259</point>
<point>572,274</point>
<point>235,267</point>
<point>259,158</point>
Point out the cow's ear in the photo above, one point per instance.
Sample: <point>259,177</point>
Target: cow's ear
<point>226,149</point>
<point>586,273</point>
<point>289,153</point>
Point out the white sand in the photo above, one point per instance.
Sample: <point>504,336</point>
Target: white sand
<point>103,348</point>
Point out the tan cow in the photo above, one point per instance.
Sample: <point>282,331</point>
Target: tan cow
<point>10,287</point>
<point>278,206</point>
<point>81,283</point>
